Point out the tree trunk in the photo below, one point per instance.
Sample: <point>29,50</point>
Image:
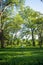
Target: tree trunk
<point>1,32</point>
<point>40,40</point>
<point>33,41</point>
<point>2,38</point>
<point>2,43</point>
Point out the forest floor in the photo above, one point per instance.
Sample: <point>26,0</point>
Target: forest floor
<point>21,56</point>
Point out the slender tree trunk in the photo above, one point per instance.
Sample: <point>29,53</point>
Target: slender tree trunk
<point>2,43</point>
<point>33,40</point>
<point>2,38</point>
<point>1,25</point>
<point>1,34</point>
<point>40,40</point>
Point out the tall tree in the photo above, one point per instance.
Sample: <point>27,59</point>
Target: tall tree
<point>3,5</point>
<point>29,17</point>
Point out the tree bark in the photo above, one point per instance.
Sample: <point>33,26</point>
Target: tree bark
<point>33,41</point>
<point>2,38</point>
<point>40,40</point>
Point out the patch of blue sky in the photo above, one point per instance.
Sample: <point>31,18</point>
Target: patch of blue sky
<point>36,5</point>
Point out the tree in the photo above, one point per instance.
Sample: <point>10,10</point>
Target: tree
<point>39,23</point>
<point>29,17</point>
<point>5,4</point>
<point>42,0</point>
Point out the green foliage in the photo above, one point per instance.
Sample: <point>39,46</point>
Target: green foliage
<point>28,21</point>
<point>18,19</point>
<point>5,3</point>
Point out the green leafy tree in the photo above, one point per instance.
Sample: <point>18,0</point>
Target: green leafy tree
<point>7,5</point>
<point>39,23</point>
<point>29,17</point>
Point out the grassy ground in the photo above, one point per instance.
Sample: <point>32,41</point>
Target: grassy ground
<point>21,56</point>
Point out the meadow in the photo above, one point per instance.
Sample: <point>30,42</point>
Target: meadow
<point>21,56</point>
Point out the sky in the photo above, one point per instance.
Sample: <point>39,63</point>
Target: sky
<point>36,5</point>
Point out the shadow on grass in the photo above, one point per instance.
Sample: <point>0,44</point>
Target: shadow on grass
<point>21,56</point>
<point>24,61</point>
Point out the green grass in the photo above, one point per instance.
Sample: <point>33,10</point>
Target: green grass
<point>21,56</point>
